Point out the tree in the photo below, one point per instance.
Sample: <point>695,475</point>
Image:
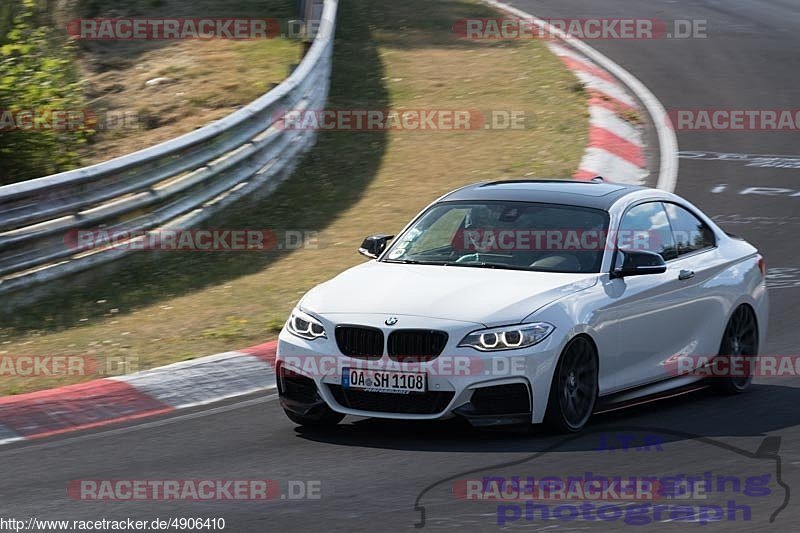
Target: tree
<point>37,76</point>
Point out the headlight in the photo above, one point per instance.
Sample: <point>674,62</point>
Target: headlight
<point>305,326</point>
<point>508,337</point>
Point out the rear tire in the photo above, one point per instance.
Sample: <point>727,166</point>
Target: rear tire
<point>574,390</point>
<point>739,343</point>
<point>326,417</point>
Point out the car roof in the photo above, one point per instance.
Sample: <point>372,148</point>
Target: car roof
<point>596,194</point>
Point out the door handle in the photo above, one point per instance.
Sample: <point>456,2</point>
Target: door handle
<point>686,274</point>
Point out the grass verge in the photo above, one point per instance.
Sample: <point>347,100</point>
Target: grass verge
<point>159,309</point>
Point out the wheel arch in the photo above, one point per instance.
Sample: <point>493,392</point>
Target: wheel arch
<point>551,414</point>
<point>753,312</point>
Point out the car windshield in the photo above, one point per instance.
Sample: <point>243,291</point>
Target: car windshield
<point>510,235</point>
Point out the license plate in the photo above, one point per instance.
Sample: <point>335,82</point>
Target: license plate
<point>380,381</point>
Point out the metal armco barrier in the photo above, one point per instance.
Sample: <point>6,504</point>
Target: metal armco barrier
<point>172,185</point>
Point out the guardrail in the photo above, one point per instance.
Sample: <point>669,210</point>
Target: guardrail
<point>172,185</point>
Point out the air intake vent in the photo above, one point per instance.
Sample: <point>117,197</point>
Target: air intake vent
<point>416,344</point>
<point>360,341</point>
<point>426,403</point>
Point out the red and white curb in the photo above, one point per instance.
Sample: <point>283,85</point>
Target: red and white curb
<point>142,394</point>
<point>616,149</point>
<point>616,145</point>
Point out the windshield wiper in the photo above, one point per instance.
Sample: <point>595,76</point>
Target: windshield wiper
<point>481,264</point>
<point>484,264</point>
<point>414,262</point>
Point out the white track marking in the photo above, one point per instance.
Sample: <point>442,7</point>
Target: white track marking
<point>8,436</point>
<point>791,162</point>
<point>783,278</point>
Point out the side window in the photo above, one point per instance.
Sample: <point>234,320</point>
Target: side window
<point>691,234</point>
<point>645,227</point>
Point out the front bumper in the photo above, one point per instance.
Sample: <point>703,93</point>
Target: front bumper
<point>486,388</point>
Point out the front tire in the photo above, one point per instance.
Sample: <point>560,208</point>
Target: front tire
<point>740,347</point>
<point>574,390</point>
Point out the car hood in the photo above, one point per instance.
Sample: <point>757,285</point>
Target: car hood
<point>481,295</point>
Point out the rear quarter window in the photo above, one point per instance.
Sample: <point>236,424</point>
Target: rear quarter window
<point>691,234</point>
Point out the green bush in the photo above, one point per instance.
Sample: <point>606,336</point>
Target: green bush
<point>37,74</point>
<point>6,19</point>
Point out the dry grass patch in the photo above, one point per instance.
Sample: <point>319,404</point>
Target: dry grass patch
<point>201,80</point>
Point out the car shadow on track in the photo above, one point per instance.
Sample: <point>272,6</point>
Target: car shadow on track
<point>765,409</point>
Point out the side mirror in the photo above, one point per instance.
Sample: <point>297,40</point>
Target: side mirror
<point>638,263</point>
<point>374,245</point>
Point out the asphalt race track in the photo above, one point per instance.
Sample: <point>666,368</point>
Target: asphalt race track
<point>375,475</point>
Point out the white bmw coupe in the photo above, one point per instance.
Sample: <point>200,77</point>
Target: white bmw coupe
<point>522,302</point>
